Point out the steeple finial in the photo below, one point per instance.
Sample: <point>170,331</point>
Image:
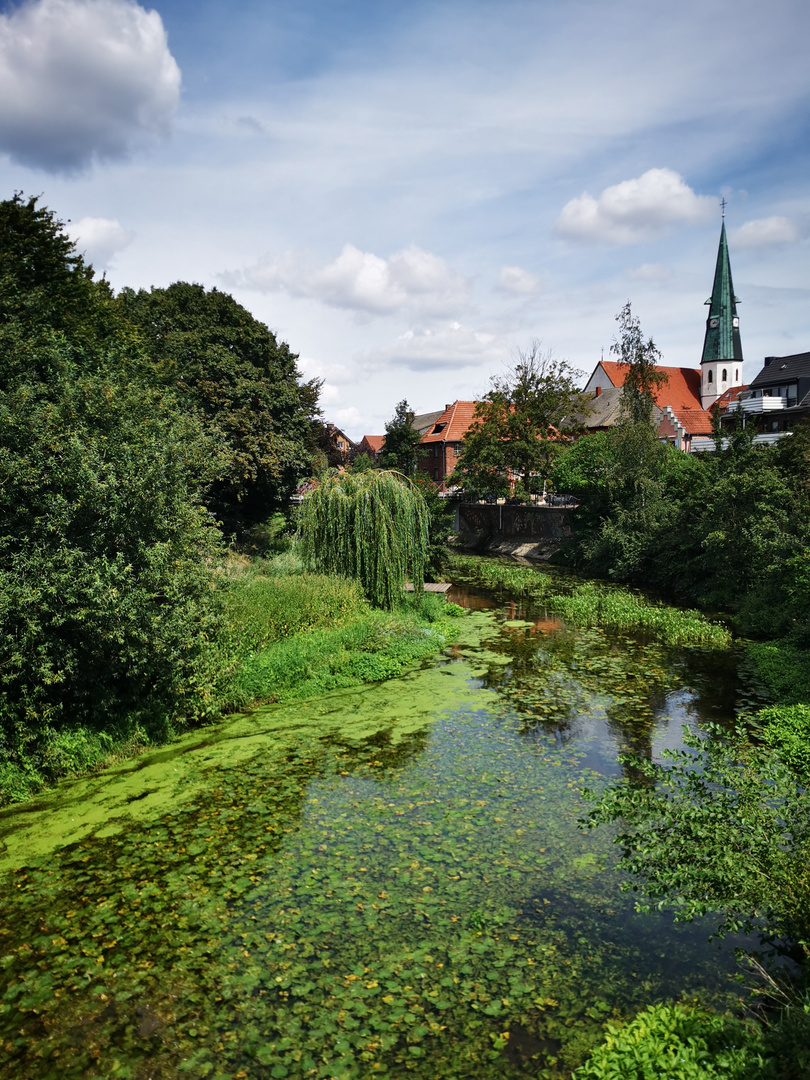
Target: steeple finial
<point>723,207</point>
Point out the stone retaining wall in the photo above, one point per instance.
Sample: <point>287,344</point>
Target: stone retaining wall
<point>533,532</point>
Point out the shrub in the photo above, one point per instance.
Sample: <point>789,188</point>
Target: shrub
<point>675,1042</point>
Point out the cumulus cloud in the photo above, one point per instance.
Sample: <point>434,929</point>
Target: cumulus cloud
<point>410,280</point>
<point>99,239</point>
<point>453,346</point>
<point>83,80</point>
<point>634,210</point>
<point>765,232</point>
<point>514,279</point>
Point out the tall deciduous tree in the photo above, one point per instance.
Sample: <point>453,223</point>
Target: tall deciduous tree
<point>372,526</point>
<point>50,305</point>
<point>229,368</point>
<point>403,449</point>
<point>643,377</point>
<point>520,423</point>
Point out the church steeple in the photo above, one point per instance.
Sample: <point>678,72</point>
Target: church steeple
<point>722,359</point>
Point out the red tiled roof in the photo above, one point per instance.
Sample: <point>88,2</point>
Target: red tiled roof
<point>452,423</point>
<point>375,443</point>
<point>695,421</point>
<point>680,391</point>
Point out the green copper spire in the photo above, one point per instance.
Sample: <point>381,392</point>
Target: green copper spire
<point>722,341</point>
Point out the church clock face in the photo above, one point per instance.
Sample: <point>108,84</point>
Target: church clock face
<point>735,322</point>
<point>713,323</point>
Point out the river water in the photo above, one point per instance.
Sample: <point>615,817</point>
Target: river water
<point>389,881</point>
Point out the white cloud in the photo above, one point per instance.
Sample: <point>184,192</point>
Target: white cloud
<point>99,239</point>
<point>330,373</point>
<point>764,232</point>
<point>82,79</point>
<point>350,417</point>
<point>410,280</point>
<point>655,272</point>
<point>453,346</point>
<point>516,280</point>
<point>635,210</point>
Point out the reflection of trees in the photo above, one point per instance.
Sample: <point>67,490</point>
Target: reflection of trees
<point>386,752</point>
<point>632,723</point>
<point>554,674</point>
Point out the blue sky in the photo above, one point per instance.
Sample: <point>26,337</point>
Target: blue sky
<point>408,192</point>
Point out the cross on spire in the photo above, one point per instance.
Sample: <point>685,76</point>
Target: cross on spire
<point>723,206</point>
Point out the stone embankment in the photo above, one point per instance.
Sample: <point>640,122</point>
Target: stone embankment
<point>531,532</point>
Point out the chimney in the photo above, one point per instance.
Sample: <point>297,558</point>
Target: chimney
<point>598,391</point>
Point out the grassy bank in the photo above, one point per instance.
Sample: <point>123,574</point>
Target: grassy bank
<point>286,635</point>
<point>299,634</point>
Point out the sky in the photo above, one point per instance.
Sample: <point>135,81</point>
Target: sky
<point>411,192</point>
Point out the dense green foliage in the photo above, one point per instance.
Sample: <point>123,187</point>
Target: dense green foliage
<point>372,526</point>
<point>108,596</point>
<point>229,369</point>
<point>402,450</point>
<point>519,425</point>
<point>726,530</point>
<point>676,1042</point>
<point>723,828</point>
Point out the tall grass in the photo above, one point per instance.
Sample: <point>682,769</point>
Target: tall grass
<point>518,580</point>
<point>299,634</point>
<point>603,605</point>
<point>592,604</point>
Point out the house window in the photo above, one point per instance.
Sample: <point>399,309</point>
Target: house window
<point>737,375</point>
<point>340,444</point>
<point>457,449</point>
<point>711,377</point>
<point>435,474</point>
<point>725,375</point>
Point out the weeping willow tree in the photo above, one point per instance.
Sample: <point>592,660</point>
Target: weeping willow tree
<point>372,526</point>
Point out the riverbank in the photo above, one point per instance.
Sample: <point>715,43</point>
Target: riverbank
<point>285,635</point>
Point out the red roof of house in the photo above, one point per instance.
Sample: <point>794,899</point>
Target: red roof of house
<point>452,423</point>
<point>695,421</point>
<point>375,443</point>
<point>680,391</point>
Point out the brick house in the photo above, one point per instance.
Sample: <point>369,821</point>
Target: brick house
<point>371,445</point>
<point>442,439</point>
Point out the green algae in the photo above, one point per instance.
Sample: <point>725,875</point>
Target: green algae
<point>386,881</point>
<point>142,789</point>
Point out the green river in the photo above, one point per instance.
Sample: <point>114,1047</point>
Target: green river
<point>388,881</point>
